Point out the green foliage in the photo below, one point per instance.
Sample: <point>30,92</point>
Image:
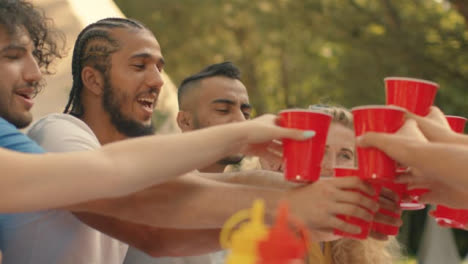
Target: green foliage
<point>293,53</point>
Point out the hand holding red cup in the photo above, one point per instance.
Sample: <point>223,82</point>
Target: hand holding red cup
<point>373,163</point>
<point>302,159</point>
<point>364,225</point>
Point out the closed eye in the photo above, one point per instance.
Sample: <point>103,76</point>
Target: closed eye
<point>139,66</point>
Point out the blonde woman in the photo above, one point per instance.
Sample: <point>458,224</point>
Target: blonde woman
<point>340,152</point>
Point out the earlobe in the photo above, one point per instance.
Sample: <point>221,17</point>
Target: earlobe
<point>93,80</point>
<point>184,120</point>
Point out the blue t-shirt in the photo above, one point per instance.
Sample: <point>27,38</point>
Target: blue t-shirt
<point>11,138</point>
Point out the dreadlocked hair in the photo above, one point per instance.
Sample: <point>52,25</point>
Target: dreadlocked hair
<point>93,47</point>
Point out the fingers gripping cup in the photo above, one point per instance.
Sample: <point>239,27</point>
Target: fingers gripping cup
<point>446,216</point>
<point>373,163</point>
<point>415,95</point>
<point>364,225</point>
<point>387,229</point>
<point>302,159</point>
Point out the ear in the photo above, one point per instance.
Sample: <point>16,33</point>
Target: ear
<point>93,80</point>
<point>185,121</point>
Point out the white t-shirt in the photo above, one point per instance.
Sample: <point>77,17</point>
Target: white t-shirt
<point>57,236</point>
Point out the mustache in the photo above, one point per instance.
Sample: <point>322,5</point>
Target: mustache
<point>35,86</point>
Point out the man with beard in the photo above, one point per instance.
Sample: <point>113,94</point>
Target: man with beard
<point>212,97</point>
<point>116,69</point>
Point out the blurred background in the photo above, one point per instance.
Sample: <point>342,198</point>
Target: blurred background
<point>293,53</point>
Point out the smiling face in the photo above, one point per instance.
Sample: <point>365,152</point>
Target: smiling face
<point>340,149</point>
<point>19,77</point>
<point>221,100</point>
<point>134,81</point>
<point>216,100</point>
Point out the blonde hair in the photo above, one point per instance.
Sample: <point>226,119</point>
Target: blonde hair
<point>339,114</point>
<point>369,251</point>
<point>349,251</point>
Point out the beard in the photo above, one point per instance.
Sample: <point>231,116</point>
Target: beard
<point>122,123</point>
<point>231,160</point>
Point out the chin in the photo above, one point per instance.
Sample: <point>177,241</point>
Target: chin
<point>21,121</point>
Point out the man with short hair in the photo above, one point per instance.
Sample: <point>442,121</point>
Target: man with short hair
<point>211,97</point>
<point>116,69</point>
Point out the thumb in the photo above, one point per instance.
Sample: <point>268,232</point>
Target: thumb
<point>395,146</point>
<point>296,134</point>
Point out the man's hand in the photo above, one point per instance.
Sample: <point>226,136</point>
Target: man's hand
<point>434,126</point>
<point>441,193</point>
<point>318,204</point>
<point>388,201</point>
<point>264,130</point>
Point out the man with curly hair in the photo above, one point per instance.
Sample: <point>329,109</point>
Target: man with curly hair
<point>27,41</point>
<point>27,49</point>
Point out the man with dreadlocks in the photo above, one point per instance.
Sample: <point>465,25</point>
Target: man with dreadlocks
<point>100,111</point>
<point>116,68</point>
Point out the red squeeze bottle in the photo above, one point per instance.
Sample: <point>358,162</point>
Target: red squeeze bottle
<point>282,245</point>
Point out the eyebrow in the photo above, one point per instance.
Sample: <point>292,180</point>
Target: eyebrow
<point>145,55</point>
<point>230,102</point>
<point>12,47</point>
<point>347,149</point>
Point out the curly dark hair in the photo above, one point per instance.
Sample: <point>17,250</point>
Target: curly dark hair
<point>18,14</point>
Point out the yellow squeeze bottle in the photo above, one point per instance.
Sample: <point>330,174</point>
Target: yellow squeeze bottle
<point>243,242</point>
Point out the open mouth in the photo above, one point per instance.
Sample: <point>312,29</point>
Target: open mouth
<point>25,95</point>
<point>147,103</point>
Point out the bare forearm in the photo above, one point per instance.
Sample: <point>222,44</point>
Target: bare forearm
<point>53,180</point>
<point>445,162</point>
<point>190,202</point>
<point>156,242</point>
<point>261,178</point>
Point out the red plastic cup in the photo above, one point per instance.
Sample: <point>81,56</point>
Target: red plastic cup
<point>414,194</point>
<point>450,217</point>
<point>302,159</point>
<point>457,123</point>
<point>364,225</point>
<point>415,95</point>
<point>373,163</point>
<point>386,229</point>
<point>446,216</point>
<point>412,205</point>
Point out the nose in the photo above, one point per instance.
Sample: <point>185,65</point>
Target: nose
<point>327,164</point>
<point>238,116</point>
<point>31,73</point>
<point>154,78</point>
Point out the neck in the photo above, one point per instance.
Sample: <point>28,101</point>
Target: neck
<point>213,168</point>
<point>100,123</point>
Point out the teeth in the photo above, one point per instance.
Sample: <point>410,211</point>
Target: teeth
<point>146,100</point>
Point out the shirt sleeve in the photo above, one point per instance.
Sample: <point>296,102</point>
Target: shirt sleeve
<point>64,134</point>
<point>11,138</point>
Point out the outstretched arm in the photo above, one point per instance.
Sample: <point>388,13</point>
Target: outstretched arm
<point>156,242</point>
<point>46,181</point>
<point>428,161</point>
